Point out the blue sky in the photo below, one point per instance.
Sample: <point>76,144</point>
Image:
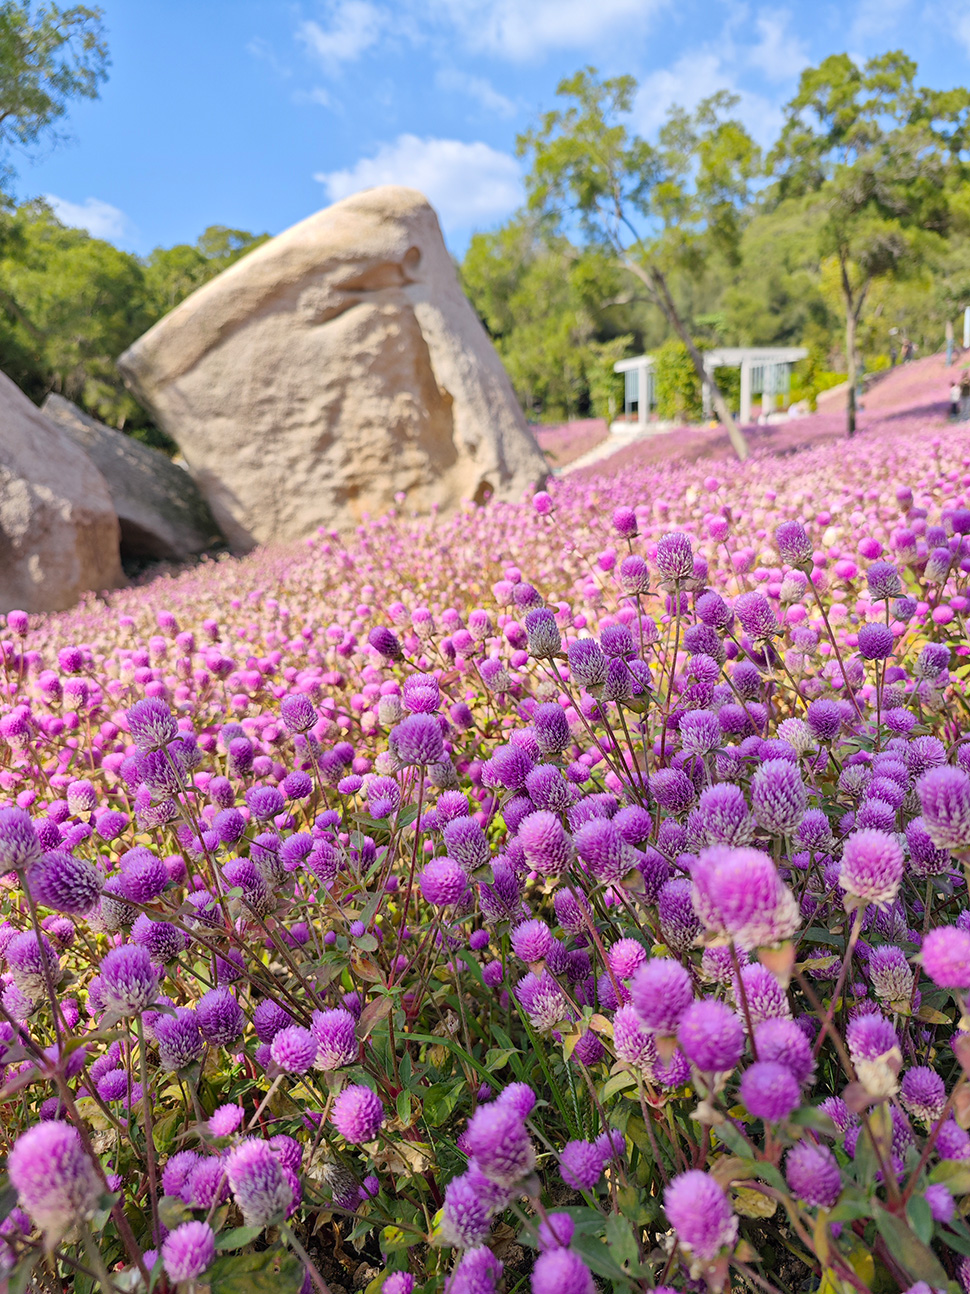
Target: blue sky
<point>255,113</point>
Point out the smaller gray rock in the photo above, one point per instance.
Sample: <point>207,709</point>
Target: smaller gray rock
<point>162,514</point>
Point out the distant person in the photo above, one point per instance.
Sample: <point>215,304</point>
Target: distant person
<point>965,396</point>
<point>954,400</point>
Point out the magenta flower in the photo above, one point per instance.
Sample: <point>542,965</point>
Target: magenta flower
<point>188,1250</point>
<point>357,1114</point>
<point>700,1213</point>
<point>55,1180</point>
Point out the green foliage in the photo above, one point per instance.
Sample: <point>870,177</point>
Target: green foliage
<point>70,304</point>
<point>678,387</point>
<point>49,55</point>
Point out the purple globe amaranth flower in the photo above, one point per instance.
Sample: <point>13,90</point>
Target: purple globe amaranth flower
<point>551,728</point>
<point>793,544</point>
<point>55,1179</point>
<point>634,575</point>
<point>825,719</point>
<point>297,712</point>
<point>508,767</point>
<point>891,974</point>
<point>179,1040</point>
<point>531,940</point>
<point>673,790</point>
<point>581,1165</point>
<point>561,1271</point>
<point>813,1174</point>
<point>603,849</point>
<point>923,1094</point>
<point>700,732</point>
<point>941,1202</point>
<point>162,940</point>
<point>875,641</point>
<point>778,798</point>
<point>258,1183</point>
<point>466,1217</point>
<point>383,797</point>
<point>872,867</point>
<point>738,893</point>
<point>545,640</point>
<point>19,845</point>
<point>268,1019</point>
<point>769,1091</point>
<point>700,1213</point>
<point>519,1097</point>
<point>545,842</point>
<point>188,1250</point>
<point>335,1032</point>
<point>587,663</point>
<point>151,724</point>
<point>129,981</point>
<point>883,581</point>
<point>945,955</point>
<point>357,1114</point>
<point>661,991</point>
<point>225,1120</point>
<point>556,1232</point>
<point>755,615</point>
<point>761,993</point>
<point>711,1036</point>
<point>870,1037</point>
<point>499,1141</point>
<point>294,1049</point>
<point>478,1273</point>
<point>143,876</point>
<point>944,795</point>
<point>783,1041</point>
<point>386,642</point>
<point>632,1042</point>
<point>675,557</point>
<point>542,1000</point>
<point>679,923</point>
<point>625,957</point>
<point>723,817</point>
<point>443,882</point>
<point>220,1017</point>
<point>925,859</point>
<point>932,660</point>
<point>417,740</point>
<point>265,802</point>
<point>65,883</point>
<point>27,957</point>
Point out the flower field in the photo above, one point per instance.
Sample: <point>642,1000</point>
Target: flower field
<point>559,896</point>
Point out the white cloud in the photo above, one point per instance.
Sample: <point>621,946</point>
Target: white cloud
<point>876,18</point>
<point>467,184</point>
<point>779,54</point>
<point>100,219</point>
<point>477,88</point>
<point>355,26</point>
<point>526,29</point>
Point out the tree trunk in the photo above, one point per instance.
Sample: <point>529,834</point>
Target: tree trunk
<point>656,285</point>
<point>850,359</point>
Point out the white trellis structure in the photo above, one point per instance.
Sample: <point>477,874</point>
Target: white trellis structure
<point>765,371</point>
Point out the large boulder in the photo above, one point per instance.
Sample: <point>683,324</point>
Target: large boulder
<point>162,514</point>
<point>58,527</point>
<point>331,369</point>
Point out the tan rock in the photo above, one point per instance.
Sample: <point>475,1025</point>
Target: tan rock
<point>162,514</point>
<point>58,528</point>
<point>330,369</point>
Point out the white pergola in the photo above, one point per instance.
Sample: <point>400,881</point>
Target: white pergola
<point>765,371</point>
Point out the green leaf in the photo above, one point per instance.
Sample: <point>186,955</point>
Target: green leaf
<point>172,1211</point>
<point>237,1237</point>
<point>403,1104</point>
<point>955,1173</point>
<point>849,1210</point>
<point>817,1120</point>
<point>8,1199</point>
<point>618,1083</point>
<point>909,1251</point>
<point>440,1100</point>
<point>920,1218</point>
<point>271,1272</point>
<point>621,1240</point>
<point>497,1058</point>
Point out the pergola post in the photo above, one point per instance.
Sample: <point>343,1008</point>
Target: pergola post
<point>643,397</point>
<point>706,393</point>
<point>745,411</point>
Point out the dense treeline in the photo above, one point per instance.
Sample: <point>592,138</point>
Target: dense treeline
<point>70,304</point>
<point>856,221</point>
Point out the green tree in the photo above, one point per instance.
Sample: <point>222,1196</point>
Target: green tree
<point>875,154</point>
<point>49,55</point>
<point>653,207</point>
<point>173,273</point>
